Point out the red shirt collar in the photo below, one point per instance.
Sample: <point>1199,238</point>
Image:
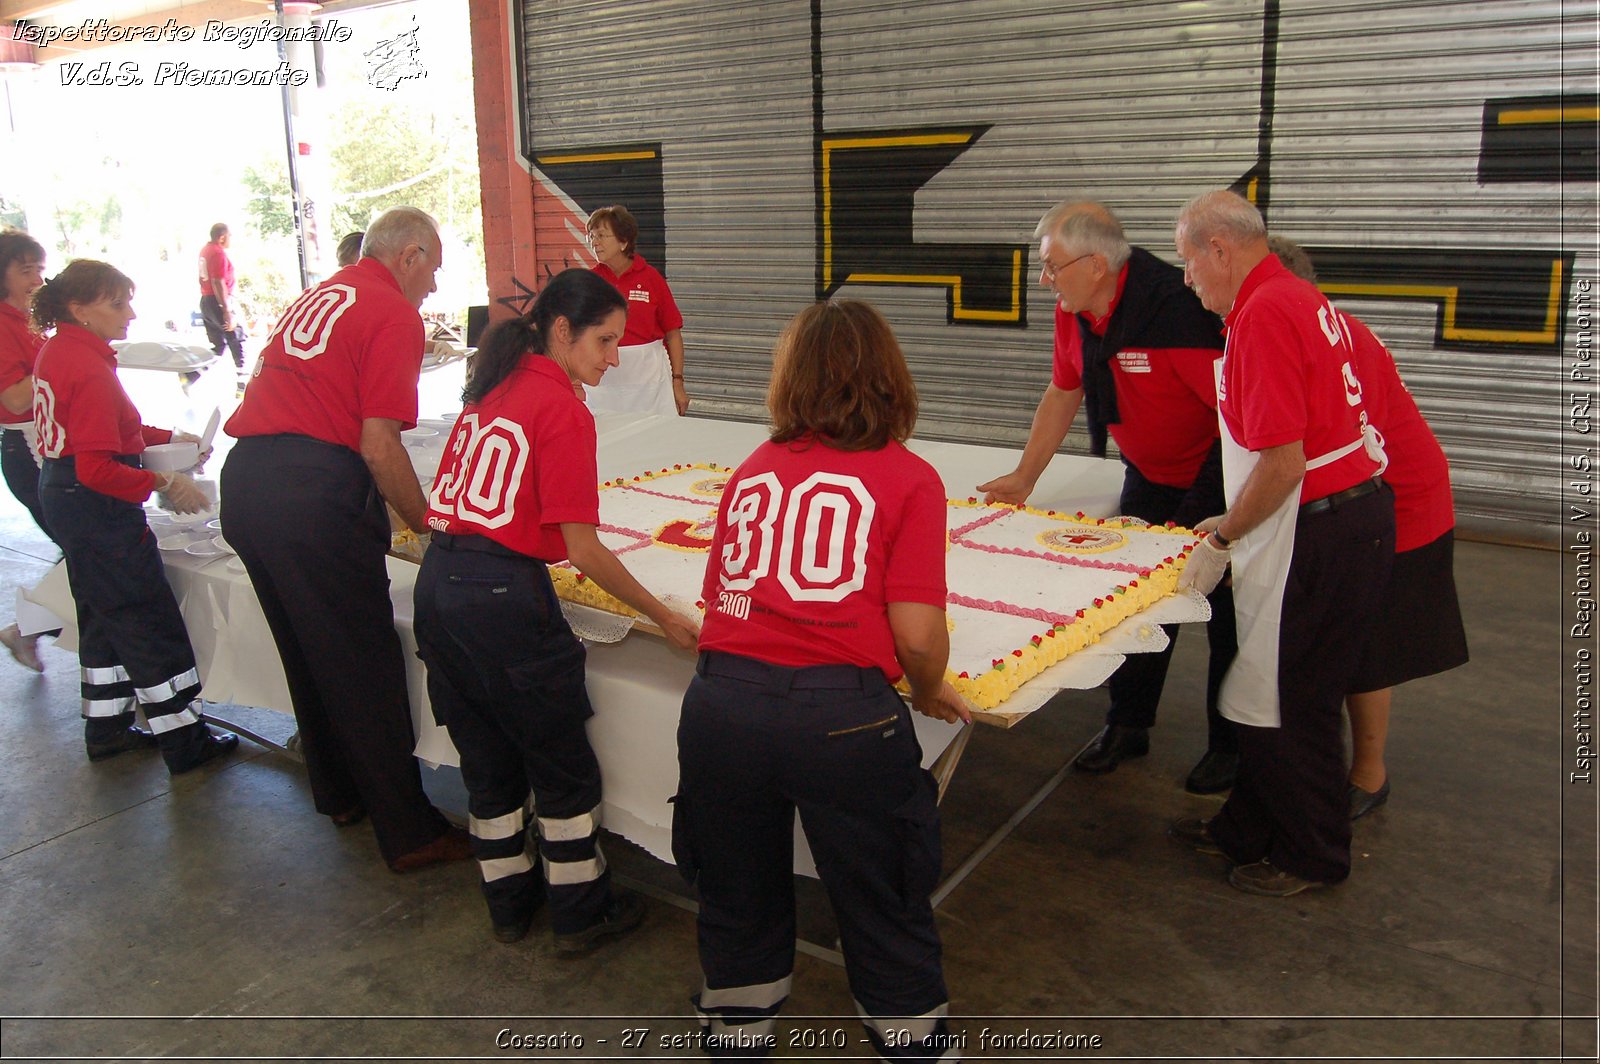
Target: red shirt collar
<point>371,267</point>
<point>635,266</point>
<point>1264,271</point>
<point>1098,325</point>
<point>11,311</point>
<point>77,334</point>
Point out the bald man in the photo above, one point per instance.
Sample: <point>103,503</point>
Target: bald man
<point>1309,532</point>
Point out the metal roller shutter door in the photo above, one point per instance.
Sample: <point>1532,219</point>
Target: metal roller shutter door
<point>1362,127</point>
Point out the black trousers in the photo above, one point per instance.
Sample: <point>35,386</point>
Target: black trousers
<point>132,643</point>
<point>22,474</point>
<point>506,679</point>
<point>312,531</point>
<point>1136,686</point>
<point>211,315</point>
<point>1289,804</point>
<point>757,742</point>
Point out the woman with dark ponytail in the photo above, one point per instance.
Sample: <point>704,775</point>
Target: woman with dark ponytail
<point>132,644</point>
<point>517,490</point>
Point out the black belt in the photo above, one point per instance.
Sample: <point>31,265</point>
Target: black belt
<point>479,545</point>
<point>1339,498</point>
<point>782,678</point>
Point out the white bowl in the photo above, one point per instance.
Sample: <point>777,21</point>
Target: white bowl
<point>176,541</point>
<point>170,457</point>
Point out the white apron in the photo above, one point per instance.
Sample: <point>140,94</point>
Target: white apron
<point>641,383</point>
<point>1260,560</point>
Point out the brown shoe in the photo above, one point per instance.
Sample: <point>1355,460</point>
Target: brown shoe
<point>1261,878</point>
<point>1193,831</point>
<point>453,845</point>
<point>354,815</point>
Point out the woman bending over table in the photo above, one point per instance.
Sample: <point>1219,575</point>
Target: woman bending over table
<point>825,583</point>
<point>132,645</point>
<point>505,672</point>
<point>648,378</point>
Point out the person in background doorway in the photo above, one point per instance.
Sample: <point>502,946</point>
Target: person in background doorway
<point>1419,630</point>
<point>216,296</point>
<point>132,644</point>
<point>21,275</point>
<point>649,377</point>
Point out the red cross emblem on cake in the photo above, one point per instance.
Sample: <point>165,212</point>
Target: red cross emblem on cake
<point>1082,539</point>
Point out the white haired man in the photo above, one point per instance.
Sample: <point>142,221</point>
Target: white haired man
<point>1136,350</point>
<point>303,495</point>
<point>1309,530</point>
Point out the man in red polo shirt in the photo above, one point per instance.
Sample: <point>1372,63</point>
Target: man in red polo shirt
<point>1135,348</point>
<point>216,296</point>
<point>303,495</point>
<point>1309,531</point>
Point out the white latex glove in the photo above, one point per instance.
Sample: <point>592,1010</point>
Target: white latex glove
<point>1207,562</point>
<point>182,495</point>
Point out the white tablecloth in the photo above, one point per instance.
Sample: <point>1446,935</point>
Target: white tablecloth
<point>636,685</point>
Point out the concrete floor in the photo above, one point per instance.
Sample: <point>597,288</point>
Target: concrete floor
<point>218,915</point>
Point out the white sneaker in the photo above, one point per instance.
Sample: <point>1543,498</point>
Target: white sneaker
<point>23,647</point>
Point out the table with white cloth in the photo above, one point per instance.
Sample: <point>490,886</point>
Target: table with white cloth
<point>637,683</point>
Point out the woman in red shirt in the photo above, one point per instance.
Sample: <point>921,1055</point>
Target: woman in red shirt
<point>132,642</point>
<point>21,274</point>
<point>824,585</point>
<point>1419,631</point>
<point>517,490</point>
<point>648,378</point>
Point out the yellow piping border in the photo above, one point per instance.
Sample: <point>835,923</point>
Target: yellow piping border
<point>1547,115</point>
<point>594,157</point>
<point>953,282</point>
<point>1450,294</point>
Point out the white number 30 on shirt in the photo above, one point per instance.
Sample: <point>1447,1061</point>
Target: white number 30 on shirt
<point>486,477</point>
<point>822,546</point>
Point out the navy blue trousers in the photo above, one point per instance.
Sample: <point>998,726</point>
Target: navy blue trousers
<point>506,679</point>
<point>1136,686</point>
<point>1290,803</point>
<point>311,529</point>
<point>132,643</point>
<point>758,742</point>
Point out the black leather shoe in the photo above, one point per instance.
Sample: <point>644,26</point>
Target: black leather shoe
<point>1213,773</point>
<point>214,745</point>
<point>1114,745</point>
<point>1361,802</point>
<point>625,913</point>
<point>120,743</point>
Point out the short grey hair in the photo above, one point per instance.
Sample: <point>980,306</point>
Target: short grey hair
<point>396,227</point>
<point>1222,213</point>
<point>1085,227</point>
<point>1293,257</point>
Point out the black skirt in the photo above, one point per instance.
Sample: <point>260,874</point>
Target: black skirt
<point>1419,631</point>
